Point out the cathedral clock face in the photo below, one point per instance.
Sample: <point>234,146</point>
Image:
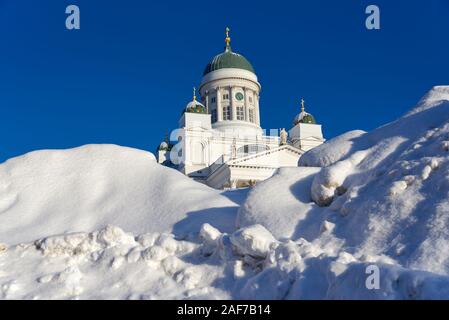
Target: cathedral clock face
<point>239,96</point>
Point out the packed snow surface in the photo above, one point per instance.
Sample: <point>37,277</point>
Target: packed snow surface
<point>83,189</point>
<point>112,264</point>
<point>107,222</point>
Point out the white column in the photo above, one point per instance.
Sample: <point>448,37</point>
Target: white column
<point>207,101</point>
<point>256,97</point>
<point>219,107</point>
<point>186,150</point>
<point>232,104</point>
<point>245,94</point>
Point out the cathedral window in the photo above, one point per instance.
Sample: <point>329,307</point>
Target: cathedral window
<point>226,96</point>
<point>214,99</point>
<point>227,113</point>
<point>240,113</point>
<point>251,99</point>
<point>214,116</point>
<point>251,115</point>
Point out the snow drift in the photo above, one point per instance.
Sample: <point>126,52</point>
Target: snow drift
<point>247,264</point>
<point>106,222</point>
<point>381,193</point>
<point>83,189</point>
<point>289,202</point>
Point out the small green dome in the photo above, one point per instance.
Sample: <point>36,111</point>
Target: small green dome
<point>304,117</point>
<point>228,59</point>
<point>308,119</point>
<point>195,107</point>
<point>163,146</point>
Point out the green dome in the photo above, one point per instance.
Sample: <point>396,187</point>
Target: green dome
<point>163,146</point>
<point>228,59</point>
<point>308,119</point>
<point>304,117</point>
<point>195,107</point>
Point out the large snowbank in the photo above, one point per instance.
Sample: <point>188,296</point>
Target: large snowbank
<point>362,199</point>
<point>430,112</point>
<point>280,202</point>
<point>83,189</point>
<point>383,193</point>
<point>112,264</point>
<point>332,150</point>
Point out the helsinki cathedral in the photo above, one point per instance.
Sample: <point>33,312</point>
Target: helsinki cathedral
<point>220,141</point>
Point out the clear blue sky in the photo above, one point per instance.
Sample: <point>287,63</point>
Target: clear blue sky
<point>126,75</point>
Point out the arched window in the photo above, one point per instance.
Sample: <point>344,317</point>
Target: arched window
<point>251,115</point>
<point>240,113</point>
<point>214,116</point>
<point>227,113</point>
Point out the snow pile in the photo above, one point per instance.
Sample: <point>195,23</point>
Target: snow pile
<point>105,264</point>
<point>84,189</point>
<point>434,97</point>
<point>430,113</point>
<point>288,191</point>
<point>247,264</point>
<point>384,193</point>
<point>82,243</point>
<point>333,150</point>
<point>254,241</point>
<point>113,224</point>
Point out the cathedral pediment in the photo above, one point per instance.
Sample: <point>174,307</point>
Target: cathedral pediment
<point>285,155</point>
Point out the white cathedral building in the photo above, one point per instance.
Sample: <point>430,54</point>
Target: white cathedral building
<point>220,141</point>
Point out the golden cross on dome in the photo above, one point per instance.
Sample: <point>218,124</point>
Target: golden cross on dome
<point>302,105</point>
<point>194,94</point>
<point>227,39</point>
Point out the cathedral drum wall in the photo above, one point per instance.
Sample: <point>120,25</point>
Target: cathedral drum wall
<point>229,73</point>
<point>232,95</point>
